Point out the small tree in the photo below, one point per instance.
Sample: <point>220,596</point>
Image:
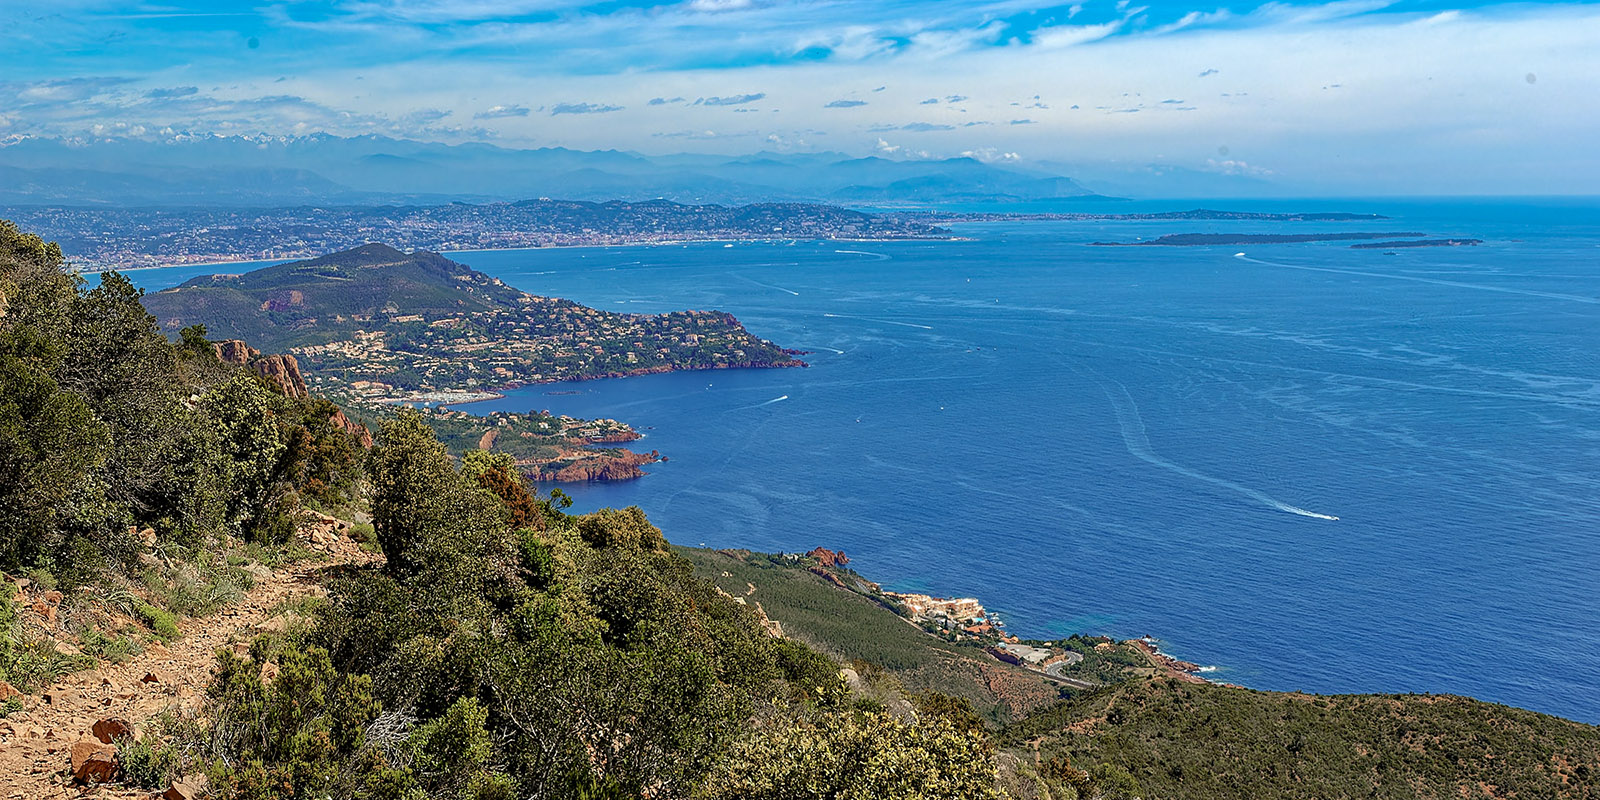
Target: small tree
<point>428,520</point>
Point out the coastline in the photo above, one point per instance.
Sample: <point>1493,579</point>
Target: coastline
<point>221,260</point>
<point>965,620</point>
<point>497,392</point>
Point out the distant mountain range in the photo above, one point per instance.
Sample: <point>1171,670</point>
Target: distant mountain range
<point>320,168</point>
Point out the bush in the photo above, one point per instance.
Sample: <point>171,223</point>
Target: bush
<point>292,737</point>
<point>117,649</point>
<point>855,756</point>
<point>162,623</point>
<point>627,529</point>
<point>148,762</point>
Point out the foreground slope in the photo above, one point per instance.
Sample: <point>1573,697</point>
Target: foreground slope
<point>1184,741</point>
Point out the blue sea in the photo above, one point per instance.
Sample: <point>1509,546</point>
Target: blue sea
<point>1156,440</point>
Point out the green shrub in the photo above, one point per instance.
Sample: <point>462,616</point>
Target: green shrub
<point>855,756</point>
<point>453,751</point>
<point>293,737</point>
<point>162,623</point>
<point>364,535</point>
<point>116,649</point>
<point>148,762</point>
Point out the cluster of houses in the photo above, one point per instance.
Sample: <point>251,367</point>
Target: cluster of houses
<point>965,617</point>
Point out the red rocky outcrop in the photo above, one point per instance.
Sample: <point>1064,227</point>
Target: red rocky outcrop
<point>829,558</point>
<point>356,429</point>
<point>110,729</point>
<point>235,352</point>
<point>284,372</point>
<point>93,762</point>
<point>622,466</point>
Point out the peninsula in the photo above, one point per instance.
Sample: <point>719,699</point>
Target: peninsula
<point>1417,243</point>
<point>375,325</point>
<point>374,328</point>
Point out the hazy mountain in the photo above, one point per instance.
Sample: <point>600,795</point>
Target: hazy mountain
<point>234,170</point>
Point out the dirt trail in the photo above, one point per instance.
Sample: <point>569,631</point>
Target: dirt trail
<point>36,744</point>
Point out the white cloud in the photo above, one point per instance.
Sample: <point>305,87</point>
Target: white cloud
<point>1058,36</point>
<point>1233,167</point>
<point>501,112</point>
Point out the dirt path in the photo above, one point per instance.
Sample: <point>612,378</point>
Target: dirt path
<point>36,744</point>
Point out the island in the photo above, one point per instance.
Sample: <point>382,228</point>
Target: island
<point>1230,239</point>
<point>945,218</point>
<point>1417,243</point>
<point>375,328</point>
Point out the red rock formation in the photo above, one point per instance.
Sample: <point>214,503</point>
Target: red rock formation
<point>618,465</point>
<point>110,729</point>
<point>284,372</point>
<point>356,429</point>
<point>93,762</point>
<point>235,352</point>
<point>613,438</point>
<point>828,576</point>
<point>828,558</point>
<point>189,788</point>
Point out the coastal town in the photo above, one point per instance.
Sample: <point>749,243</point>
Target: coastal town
<point>1079,662</point>
<point>122,238</point>
<point>395,357</point>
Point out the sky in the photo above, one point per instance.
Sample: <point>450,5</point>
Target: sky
<point>1379,96</point>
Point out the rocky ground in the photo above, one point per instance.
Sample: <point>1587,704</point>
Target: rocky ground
<point>62,744</point>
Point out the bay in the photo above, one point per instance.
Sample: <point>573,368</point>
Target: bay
<point>1155,440</point>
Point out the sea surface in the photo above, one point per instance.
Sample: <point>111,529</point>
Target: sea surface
<point>1305,466</point>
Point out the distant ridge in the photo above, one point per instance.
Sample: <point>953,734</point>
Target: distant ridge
<point>278,170</point>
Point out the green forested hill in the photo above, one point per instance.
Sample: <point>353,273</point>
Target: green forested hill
<point>319,299</point>
<point>1182,741</point>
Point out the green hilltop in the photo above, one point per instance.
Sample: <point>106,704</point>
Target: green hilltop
<point>279,306</point>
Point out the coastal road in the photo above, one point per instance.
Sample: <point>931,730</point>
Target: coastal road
<point>1072,659</point>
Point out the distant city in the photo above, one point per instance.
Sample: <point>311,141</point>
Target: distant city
<point>124,238</point>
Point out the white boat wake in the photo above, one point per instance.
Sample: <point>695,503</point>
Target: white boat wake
<point>767,403</point>
<point>1138,444</point>
<point>1435,281</point>
<point>879,256</point>
<point>767,285</point>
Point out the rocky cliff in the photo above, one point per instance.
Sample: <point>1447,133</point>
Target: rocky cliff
<point>595,465</point>
<point>355,429</point>
<point>282,370</point>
